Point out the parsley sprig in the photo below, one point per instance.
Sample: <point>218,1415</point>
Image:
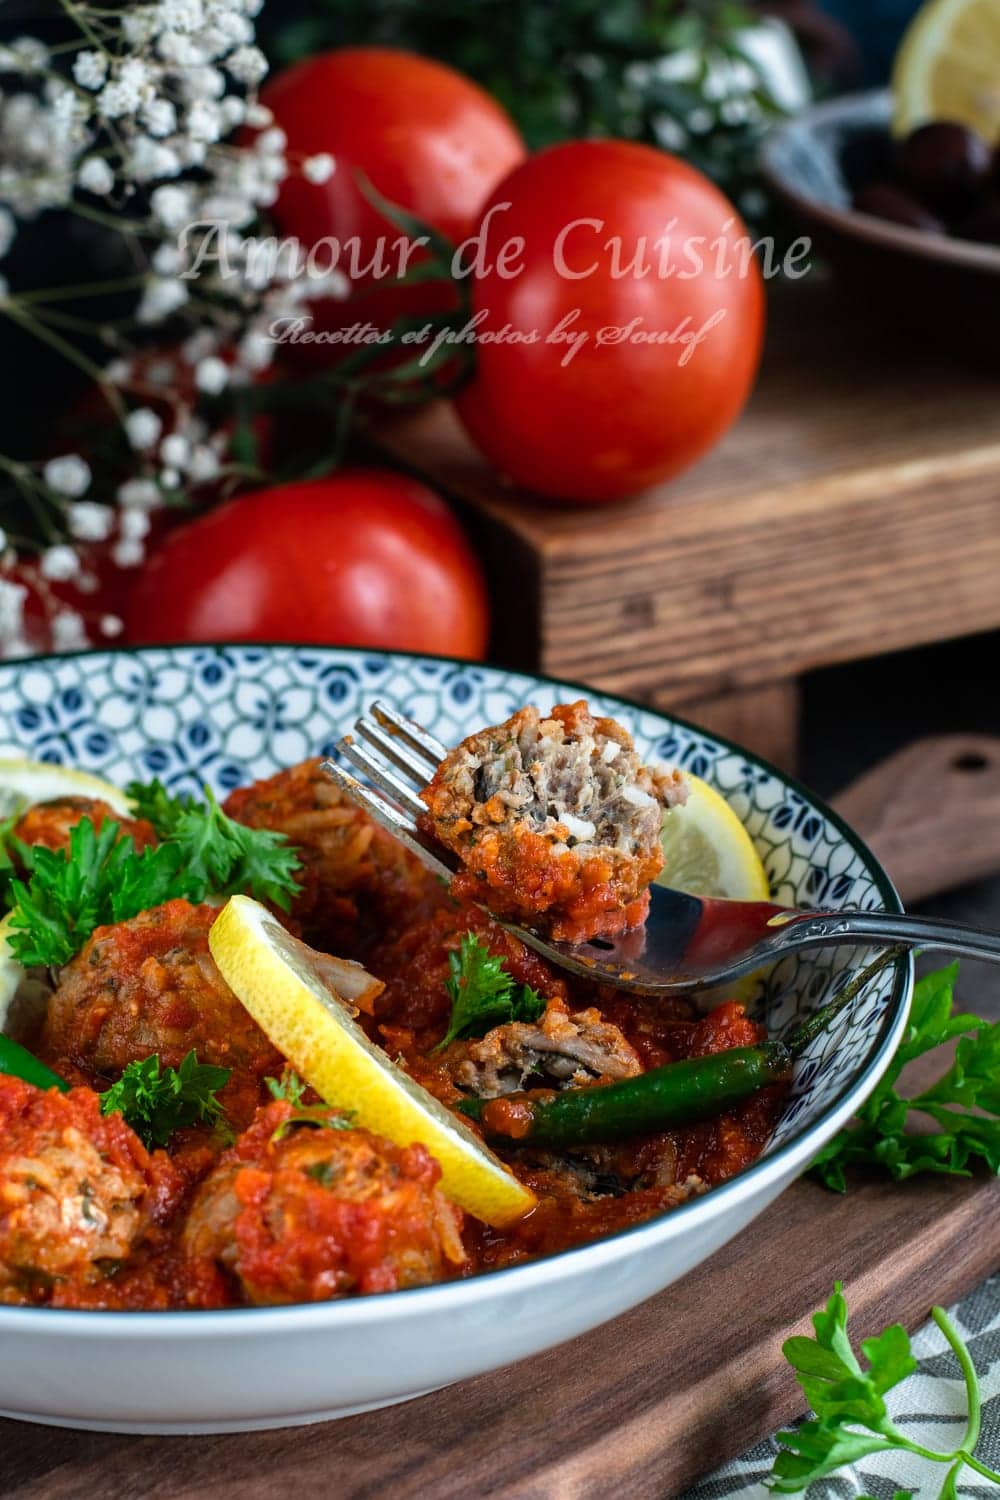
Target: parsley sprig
<point>157,1101</point>
<point>100,880</point>
<point>103,879</point>
<point>880,1136</point>
<point>483,994</point>
<point>851,1419</point>
<point>225,855</point>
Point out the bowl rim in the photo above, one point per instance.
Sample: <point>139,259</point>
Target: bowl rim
<point>794,1153</point>
<point>945,249</point>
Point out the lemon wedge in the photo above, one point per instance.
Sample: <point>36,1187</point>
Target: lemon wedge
<point>948,68</point>
<point>283,989</point>
<point>25,782</point>
<point>707,850</point>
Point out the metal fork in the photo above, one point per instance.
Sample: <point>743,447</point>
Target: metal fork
<point>687,942</point>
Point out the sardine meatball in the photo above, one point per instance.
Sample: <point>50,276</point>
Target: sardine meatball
<point>308,1212</point>
<point>78,1190</point>
<point>50,823</point>
<point>150,985</point>
<point>556,821</point>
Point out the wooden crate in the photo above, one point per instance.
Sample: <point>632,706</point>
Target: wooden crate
<point>853,510</point>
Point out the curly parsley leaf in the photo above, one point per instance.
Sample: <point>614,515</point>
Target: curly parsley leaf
<point>483,994</point>
<point>152,801</point>
<point>157,1102</point>
<point>225,855</point>
<point>289,1087</point>
<point>964,1103</point>
<point>100,879</point>
<point>847,1398</point>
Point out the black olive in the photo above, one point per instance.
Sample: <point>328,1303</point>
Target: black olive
<point>887,201</point>
<point>947,166</point>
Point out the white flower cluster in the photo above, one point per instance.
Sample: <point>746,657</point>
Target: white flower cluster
<point>139,113</point>
<point>154,90</point>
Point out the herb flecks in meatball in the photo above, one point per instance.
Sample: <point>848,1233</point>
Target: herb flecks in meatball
<point>150,985</point>
<point>305,1213</point>
<point>78,1190</point>
<point>556,821</point>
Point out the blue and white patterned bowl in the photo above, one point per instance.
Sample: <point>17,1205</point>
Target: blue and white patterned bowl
<point>229,714</point>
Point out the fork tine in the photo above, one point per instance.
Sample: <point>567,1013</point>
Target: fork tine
<point>411,733</point>
<point>389,817</point>
<point>394,787</point>
<point>394,750</point>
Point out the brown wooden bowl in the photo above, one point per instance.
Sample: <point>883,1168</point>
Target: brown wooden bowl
<point>929,286</point>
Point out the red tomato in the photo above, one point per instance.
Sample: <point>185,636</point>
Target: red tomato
<point>428,139</point>
<point>361,559</point>
<point>621,412</point>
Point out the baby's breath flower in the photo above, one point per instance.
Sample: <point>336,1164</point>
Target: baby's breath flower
<point>167,260</point>
<point>26,54</point>
<point>256,350</point>
<point>159,117</point>
<point>134,525</point>
<point>204,122</point>
<point>128,554</point>
<point>12,597</point>
<point>247,65</point>
<point>90,69</point>
<point>95,176</point>
<point>139,494</point>
<point>205,82</point>
<point>211,375</point>
<point>259,116</point>
<point>90,522</point>
<point>175,450</point>
<point>67,475</point>
<point>163,295</point>
<point>182,15</point>
<point>151,159</point>
<point>203,465</point>
<point>143,427</point>
<point>319,168</point>
<point>69,633</point>
<point>171,205</point>
<point>111,626</point>
<point>170,479</point>
<point>59,563</point>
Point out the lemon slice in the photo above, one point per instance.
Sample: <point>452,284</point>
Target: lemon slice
<point>283,990</point>
<point>948,67</point>
<point>707,850</point>
<point>25,782</point>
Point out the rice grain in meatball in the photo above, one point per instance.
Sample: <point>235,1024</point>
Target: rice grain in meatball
<point>301,1213</point>
<point>150,985</point>
<point>78,1190</point>
<point>556,821</point>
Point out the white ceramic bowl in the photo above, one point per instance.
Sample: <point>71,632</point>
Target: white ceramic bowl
<point>231,713</point>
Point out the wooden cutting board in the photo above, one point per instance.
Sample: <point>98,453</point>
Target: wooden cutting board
<point>641,1407</point>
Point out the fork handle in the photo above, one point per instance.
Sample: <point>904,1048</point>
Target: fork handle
<point>814,929</point>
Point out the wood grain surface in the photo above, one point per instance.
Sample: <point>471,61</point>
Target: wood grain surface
<point>818,531</point>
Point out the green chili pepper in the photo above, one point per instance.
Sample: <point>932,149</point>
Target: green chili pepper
<point>19,1062</point>
<point>681,1093</point>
